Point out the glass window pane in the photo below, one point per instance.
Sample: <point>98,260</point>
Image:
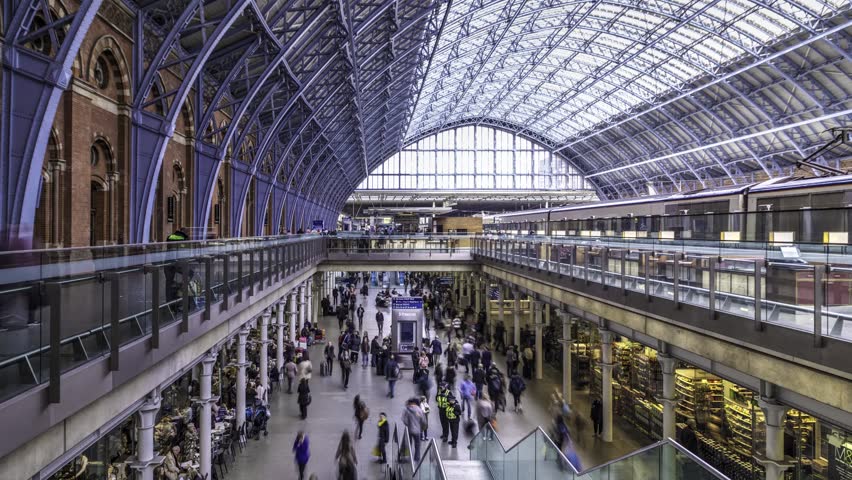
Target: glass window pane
<point>446,181</point>
<point>465,162</point>
<point>484,181</point>
<point>464,138</point>
<point>523,162</point>
<point>426,163</point>
<point>505,163</point>
<point>426,181</point>
<point>484,162</point>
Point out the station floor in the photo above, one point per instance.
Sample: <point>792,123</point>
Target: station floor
<point>330,413</point>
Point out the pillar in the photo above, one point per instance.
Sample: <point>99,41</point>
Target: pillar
<point>489,320</point>
<point>302,312</point>
<point>775,414</point>
<point>606,382</point>
<point>501,314</point>
<point>264,349</point>
<point>293,315</point>
<point>309,301</point>
<point>566,355</point>
<point>478,296</point>
<point>241,375</point>
<point>279,343</point>
<point>145,459</point>
<point>516,310</point>
<point>539,353</point>
<point>205,432</point>
<point>669,397</point>
<point>316,289</point>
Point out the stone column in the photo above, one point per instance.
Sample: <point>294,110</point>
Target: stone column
<point>501,314</point>
<point>539,352</point>
<point>293,315</point>
<point>241,376</point>
<point>264,349</point>
<point>205,431</point>
<point>775,462</point>
<point>316,289</point>
<point>477,297</point>
<point>309,301</point>
<point>302,312</point>
<point>489,319</point>
<point>279,344</point>
<point>669,397</point>
<point>145,459</point>
<point>516,311</point>
<point>606,382</point>
<point>566,355</point>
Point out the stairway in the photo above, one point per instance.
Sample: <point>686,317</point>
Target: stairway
<point>466,470</point>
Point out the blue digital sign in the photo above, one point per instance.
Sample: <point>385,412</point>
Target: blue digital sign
<point>407,303</point>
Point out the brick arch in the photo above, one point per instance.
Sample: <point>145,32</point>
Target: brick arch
<point>103,139</point>
<point>109,48</point>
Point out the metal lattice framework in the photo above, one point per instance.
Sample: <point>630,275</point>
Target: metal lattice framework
<point>310,90</point>
<point>306,97</point>
<point>663,92</point>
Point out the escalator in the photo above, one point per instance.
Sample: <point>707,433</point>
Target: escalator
<point>537,457</point>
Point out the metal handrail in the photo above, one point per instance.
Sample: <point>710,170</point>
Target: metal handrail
<point>533,432</point>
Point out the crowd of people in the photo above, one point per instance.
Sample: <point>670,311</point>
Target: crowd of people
<point>465,399</point>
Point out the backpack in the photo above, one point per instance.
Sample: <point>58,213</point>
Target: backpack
<point>395,372</point>
<point>363,412</point>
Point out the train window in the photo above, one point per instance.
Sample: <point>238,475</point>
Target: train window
<point>829,200</point>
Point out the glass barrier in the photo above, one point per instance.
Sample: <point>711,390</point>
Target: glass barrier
<point>537,456</point>
<point>808,296</point>
<point>95,300</point>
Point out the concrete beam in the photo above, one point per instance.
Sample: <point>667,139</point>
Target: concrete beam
<point>398,266</point>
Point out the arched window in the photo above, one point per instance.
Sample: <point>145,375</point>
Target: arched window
<point>101,76</point>
<point>475,158</point>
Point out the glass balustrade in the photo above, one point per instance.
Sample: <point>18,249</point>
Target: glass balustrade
<point>537,456</point>
<point>809,296</point>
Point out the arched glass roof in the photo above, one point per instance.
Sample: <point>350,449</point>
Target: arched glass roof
<point>477,158</point>
<point>668,92</point>
<point>561,67</point>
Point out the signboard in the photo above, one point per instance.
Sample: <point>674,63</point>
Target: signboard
<point>407,303</point>
<point>318,225</point>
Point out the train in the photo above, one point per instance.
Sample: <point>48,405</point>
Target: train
<point>790,210</point>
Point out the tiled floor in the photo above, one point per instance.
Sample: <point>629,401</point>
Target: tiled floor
<point>331,412</point>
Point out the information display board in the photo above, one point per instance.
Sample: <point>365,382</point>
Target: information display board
<point>406,323</point>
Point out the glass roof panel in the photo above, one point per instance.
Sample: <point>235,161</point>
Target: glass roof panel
<point>560,67</point>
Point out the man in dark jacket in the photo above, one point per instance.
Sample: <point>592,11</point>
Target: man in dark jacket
<point>380,322</point>
<point>360,313</point>
<point>375,349</point>
<point>392,374</point>
<point>384,437</point>
<point>597,417</point>
<point>479,380</point>
<point>436,351</point>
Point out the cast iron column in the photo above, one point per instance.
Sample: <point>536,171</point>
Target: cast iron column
<point>145,459</point>
<point>241,376</point>
<point>606,382</point>
<point>205,430</point>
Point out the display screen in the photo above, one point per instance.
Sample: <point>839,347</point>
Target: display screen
<point>406,332</point>
<point>407,303</point>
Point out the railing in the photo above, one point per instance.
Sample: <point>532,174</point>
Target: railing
<point>537,456</point>
<point>534,456</point>
<point>808,297</point>
<point>352,243</point>
<point>403,466</point>
<point>62,308</point>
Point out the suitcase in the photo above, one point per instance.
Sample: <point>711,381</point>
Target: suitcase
<point>323,369</point>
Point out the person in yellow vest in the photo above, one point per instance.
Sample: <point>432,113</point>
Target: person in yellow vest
<point>453,413</point>
<point>441,404</point>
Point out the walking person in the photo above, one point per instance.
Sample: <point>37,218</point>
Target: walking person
<point>304,397</point>
<point>484,411</point>
<point>334,294</point>
<point>375,350</point>
<point>361,415</point>
<point>414,419</point>
<point>512,360</point>
<point>301,447</point>
<point>468,392</point>
<point>365,350</point>
<point>384,438</point>
<point>347,461</point>
<point>345,368</point>
<point>516,388</point>
<point>290,373</point>
<point>360,313</point>
<point>436,351</point>
<point>597,416</point>
<point>329,358</point>
<point>380,321</point>
<point>392,374</point>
